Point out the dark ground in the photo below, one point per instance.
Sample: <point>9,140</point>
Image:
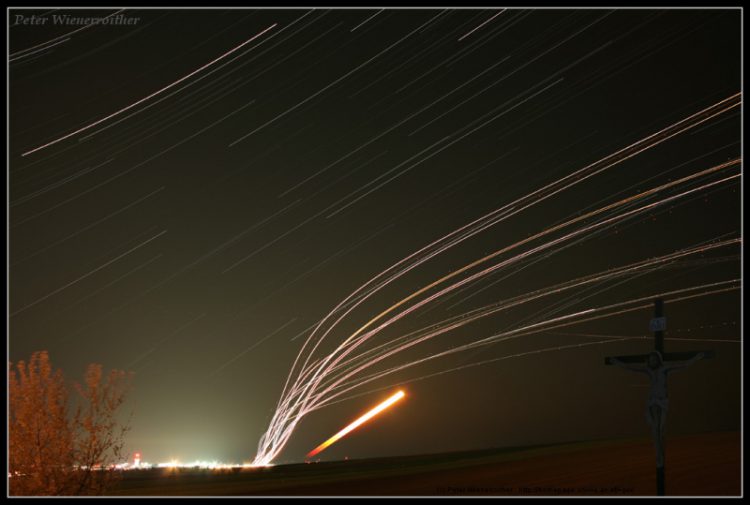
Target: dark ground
<point>697,465</point>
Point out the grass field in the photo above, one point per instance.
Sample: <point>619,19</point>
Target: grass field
<point>697,465</point>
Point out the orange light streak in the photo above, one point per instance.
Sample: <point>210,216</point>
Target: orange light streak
<point>361,420</point>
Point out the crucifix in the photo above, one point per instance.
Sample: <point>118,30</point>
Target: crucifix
<point>657,365</point>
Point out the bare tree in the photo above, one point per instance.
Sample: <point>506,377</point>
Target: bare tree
<point>40,433</point>
<point>99,437</point>
<point>56,450</point>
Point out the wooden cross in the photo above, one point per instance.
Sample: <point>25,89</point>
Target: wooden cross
<point>658,326</point>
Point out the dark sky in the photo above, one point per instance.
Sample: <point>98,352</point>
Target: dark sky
<point>189,214</point>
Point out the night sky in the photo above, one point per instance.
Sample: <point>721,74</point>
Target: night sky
<point>188,209</point>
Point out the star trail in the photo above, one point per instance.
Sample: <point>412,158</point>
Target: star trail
<point>275,216</point>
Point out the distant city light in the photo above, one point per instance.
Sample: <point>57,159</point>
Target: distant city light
<point>175,463</point>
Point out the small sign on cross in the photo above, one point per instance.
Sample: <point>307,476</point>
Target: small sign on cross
<point>658,324</point>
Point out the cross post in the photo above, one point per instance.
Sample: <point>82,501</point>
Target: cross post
<point>658,326</point>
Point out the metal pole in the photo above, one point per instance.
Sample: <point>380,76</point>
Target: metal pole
<point>659,346</point>
<point>659,481</point>
<point>659,334</point>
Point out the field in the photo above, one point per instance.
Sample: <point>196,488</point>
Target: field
<point>697,465</point>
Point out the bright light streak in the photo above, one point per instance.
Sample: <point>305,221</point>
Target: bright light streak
<point>134,104</point>
<point>363,419</point>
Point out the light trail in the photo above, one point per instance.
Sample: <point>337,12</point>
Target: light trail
<point>318,401</point>
<point>299,104</point>
<point>360,421</point>
<point>437,151</point>
<point>41,49</point>
<point>87,227</point>
<point>390,129</point>
<point>366,20</point>
<point>109,284</point>
<point>563,321</point>
<point>316,379</point>
<point>155,93</point>
<point>84,276</point>
<point>526,63</point>
<point>468,317</point>
<point>512,208</point>
<point>253,346</point>
<point>378,329</point>
<point>560,322</point>
<point>361,339</point>
<point>228,73</point>
<point>481,25</point>
<point>532,328</point>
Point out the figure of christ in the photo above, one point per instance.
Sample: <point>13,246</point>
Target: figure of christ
<point>658,400</point>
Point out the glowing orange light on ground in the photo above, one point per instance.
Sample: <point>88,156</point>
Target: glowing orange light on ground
<point>361,420</point>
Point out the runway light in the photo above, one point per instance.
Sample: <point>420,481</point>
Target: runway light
<point>361,420</point>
